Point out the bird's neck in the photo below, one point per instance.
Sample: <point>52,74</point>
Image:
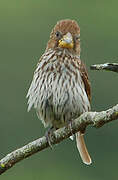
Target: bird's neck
<point>64,51</point>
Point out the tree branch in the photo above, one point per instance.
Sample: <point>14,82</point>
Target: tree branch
<point>97,119</point>
<point>106,66</point>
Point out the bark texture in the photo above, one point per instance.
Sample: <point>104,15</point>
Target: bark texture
<point>107,66</point>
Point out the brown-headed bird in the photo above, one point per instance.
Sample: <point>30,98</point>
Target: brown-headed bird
<point>60,89</point>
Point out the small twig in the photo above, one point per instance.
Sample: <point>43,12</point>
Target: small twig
<point>97,119</point>
<point>106,66</point>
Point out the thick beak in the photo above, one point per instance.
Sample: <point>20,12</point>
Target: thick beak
<point>66,41</point>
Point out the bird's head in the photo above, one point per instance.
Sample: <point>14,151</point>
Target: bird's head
<point>65,35</point>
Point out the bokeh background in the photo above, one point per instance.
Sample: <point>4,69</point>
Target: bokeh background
<point>25,26</point>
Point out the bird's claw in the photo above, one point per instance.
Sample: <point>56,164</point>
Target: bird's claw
<point>70,126</point>
<point>48,137</point>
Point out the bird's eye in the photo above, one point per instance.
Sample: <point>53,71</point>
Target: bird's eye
<point>58,34</point>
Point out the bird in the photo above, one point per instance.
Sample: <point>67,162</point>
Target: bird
<point>60,90</point>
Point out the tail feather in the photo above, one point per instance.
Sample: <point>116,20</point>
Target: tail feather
<point>82,149</point>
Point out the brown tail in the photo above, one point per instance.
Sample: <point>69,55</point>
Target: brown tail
<point>82,148</point>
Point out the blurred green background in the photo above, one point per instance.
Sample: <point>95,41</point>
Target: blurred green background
<point>25,26</point>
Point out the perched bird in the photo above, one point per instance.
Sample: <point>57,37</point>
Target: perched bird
<point>60,89</point>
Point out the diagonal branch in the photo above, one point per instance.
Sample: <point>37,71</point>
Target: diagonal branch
<point>97,119</point>
<point>106,66</point>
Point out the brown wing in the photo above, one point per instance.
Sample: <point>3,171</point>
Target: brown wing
<point>84,75</point>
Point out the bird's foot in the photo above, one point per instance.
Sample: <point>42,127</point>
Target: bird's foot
<point>48,136</point>
<point>70,126</point>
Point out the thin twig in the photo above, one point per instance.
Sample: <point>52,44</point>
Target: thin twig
<point>107,66</point>
<point>97,119</point>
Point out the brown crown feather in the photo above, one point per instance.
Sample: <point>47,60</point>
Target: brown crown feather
<point>67,25</point>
